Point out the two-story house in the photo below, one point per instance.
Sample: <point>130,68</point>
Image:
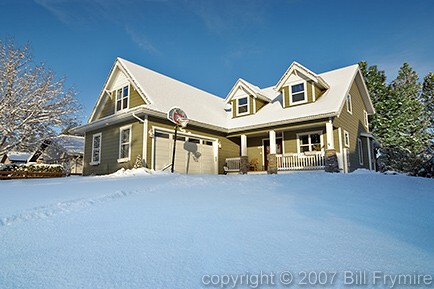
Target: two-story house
<point>306,121</point>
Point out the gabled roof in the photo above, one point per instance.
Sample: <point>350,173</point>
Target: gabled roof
<point>297,67</point>
<point>165,93</point>
<point>18,156</point>
<point>208,110</point>
<point>328,105</point>
<point>248,87</point>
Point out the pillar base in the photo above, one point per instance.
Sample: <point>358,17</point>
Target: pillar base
<point>272,164</point>
<point>331,161</point>
<point>244,165</point>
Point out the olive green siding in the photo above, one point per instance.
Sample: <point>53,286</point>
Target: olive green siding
<point>234,107</point>
<point>229,147</point>
<point>110,148</point>
<point>109,104</point>
<point>259,104</point>
<point>254,150</point>
<point>290,138</point>
<point>309,92</point>
<point>353,124</point>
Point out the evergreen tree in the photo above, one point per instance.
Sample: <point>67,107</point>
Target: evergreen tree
<point>427,99</point>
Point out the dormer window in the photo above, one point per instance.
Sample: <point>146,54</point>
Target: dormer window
<point>242,105</point>
<point>298,93</point>
<point>122,95</point>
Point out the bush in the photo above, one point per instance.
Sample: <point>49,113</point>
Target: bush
<point>33,168</point>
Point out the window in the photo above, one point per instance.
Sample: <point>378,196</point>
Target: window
<point>122,95</point>
<point>366,119</point>
<point>310,142</point>
<point>96,149</point>
<point>242,106</point>
<point>346,139</point>
<point>349,104</point>
<point>360,150</point>
<point>298,94</point>
<point>124,144</point>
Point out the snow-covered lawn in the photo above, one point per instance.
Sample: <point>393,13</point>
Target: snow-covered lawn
<point>176,231</point>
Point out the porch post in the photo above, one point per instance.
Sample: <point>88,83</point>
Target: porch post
<point>368,140</point>
<point>331,159</point>
<point>272,159</point>
<point>244,161</point>
<point>330,137</point>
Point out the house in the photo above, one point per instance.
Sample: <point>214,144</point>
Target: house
<point>66,150</point>
<point>15,158</point>
<point>306,121</point>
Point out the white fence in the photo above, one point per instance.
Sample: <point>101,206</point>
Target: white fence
<point>289,162</point>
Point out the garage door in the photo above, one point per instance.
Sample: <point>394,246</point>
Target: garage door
<point>194,154</point>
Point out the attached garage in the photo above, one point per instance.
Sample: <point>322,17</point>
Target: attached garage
<point>195,154</point>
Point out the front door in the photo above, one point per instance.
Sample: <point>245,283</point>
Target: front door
<point>266,148</point>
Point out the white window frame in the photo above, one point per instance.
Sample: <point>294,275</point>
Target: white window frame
<point>237,113</point>
<point>347,139</point>
<point>360,150</point>
<point>304,92</point>
<point>321,138</point>
<point>349,103</point>
<point>125,159</point>
<point>122,97</point>
<point>92,161</point>
<point>366,119</point>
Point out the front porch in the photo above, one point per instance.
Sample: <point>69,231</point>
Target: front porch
<point>302,148</point>
<point>285,162</point>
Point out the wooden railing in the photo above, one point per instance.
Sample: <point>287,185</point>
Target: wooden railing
<point>289,162</point>
<point>233,164</point>
<point>6,175</point>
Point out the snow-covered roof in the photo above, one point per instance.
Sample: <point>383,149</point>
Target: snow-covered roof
<point>70,143</point>
<point>18,156</point>
<point>253,89</point>
<point>327,105</point>
<point>165,92</point>
<point>162,93</point>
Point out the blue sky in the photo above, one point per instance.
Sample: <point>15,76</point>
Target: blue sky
<point>210,44</point>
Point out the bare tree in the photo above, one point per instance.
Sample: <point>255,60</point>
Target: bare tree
<point>33,103</point>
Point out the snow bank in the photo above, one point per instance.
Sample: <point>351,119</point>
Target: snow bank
<point>138,229</point>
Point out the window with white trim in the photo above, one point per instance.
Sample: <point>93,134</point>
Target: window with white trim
<point>366,119</point>
<point>124,144</point>
<point>298,93</point>
<point>96,149</point>
<point>360,150</point>
<point>310,142</point>
<point>346,139</point>
<point>122,97</point>
<point>242,105</point>
<point>349,104</point>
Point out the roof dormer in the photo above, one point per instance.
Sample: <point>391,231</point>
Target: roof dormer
<point>299,85</point>
<point>246,98</point>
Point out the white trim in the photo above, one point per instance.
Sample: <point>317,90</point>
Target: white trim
<point>92,163</point>
<point>283,97</point>
<point>345,139</point>
<point>125,159</point>
<point>122,98</point>
<point>145,141</point>
<point>237,105</point>
<point>321,138</point>
<point>360,151</point>
<point>340,139</point>
<point>313,92</point>
<point>304,92</point>
<point>368,140</point>
<point>366,120</point>
<point>349,100</point>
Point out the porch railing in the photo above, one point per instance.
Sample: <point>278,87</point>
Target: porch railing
<point>233,164</point>
<point>289,162</point>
